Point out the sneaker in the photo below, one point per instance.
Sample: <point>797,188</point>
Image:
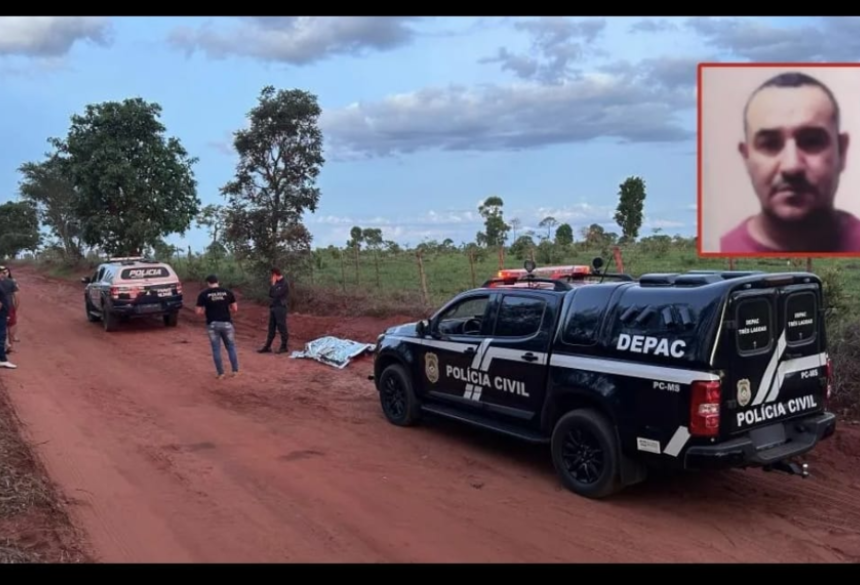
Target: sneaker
<point>8,364</point>
<point>219,376</point>
<point>234,374</point>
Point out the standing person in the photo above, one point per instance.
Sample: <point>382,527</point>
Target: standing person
<point>10,287</point>
<point>218,303</point>
<point>278,293</point>
<point>4,313</point>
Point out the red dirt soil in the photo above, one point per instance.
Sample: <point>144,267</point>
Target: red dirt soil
<point>293,461</point>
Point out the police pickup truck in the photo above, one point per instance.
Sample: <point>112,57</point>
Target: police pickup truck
<point>700,370</point>
<point>132,287</point>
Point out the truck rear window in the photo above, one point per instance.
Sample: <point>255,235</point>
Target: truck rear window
<point>800,309</point>
<point>754,317</point>
<point>144,272</point>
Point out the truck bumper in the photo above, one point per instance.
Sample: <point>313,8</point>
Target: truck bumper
<point>142,309</point>
<point>764,446</point>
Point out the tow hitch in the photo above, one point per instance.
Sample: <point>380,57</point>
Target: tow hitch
<point>790,467</point>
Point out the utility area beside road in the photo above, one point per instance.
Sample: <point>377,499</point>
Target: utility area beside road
<point>293,461</point>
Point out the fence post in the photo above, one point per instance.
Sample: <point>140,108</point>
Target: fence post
<point>472,267</point>
<point>423,277</point>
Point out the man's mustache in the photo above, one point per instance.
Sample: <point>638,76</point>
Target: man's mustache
<point>793,184</point>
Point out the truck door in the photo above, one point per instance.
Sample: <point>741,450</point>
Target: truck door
<point>778,371</point>
<point>445,361</point>
<point>515,360</point>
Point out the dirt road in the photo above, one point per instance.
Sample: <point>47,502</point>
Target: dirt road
<point>294,462</point>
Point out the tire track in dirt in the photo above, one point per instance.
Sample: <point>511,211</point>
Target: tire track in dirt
<point>293,461</point>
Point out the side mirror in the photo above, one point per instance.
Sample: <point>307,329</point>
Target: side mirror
<point>597,263</point>
<point>421,328</point>
<point>85,280</point>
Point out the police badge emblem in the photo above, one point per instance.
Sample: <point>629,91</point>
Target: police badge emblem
<point>431,367</point>
<point>744,392</point>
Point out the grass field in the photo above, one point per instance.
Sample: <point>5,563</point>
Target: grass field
<point>394,280</point>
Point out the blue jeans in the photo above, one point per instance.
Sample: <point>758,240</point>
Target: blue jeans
<point>223,331</point>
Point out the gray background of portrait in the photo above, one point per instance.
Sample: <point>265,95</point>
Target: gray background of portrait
<point>727,195</point>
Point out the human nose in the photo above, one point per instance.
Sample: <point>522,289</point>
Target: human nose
<point>791,159</point>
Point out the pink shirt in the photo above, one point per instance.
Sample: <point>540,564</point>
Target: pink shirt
<point>738,240</point>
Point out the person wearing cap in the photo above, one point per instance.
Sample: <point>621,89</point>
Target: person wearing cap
<point>217,303</point>
<point>10,287</point>
<point>4,313</point>
<point>278,294</point>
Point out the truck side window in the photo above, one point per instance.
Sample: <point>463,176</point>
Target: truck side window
<point>519,316</point>
<point>800,314</point>
<point>464,318</point>
<point>585,316</point>
<point>755,328</point>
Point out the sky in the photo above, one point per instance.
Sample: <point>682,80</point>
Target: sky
<point>423,118</point>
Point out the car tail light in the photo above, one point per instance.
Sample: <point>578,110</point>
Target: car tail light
<point>705,409</point>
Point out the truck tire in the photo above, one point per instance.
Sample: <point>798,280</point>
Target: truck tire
<point>89,310</point>
<point>397,397</point>
<point>585,454</point>
<point>109,320</point>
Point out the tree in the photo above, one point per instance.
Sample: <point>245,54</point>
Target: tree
<point>564,235</point>
<point>280,157</point>
<point>631,200</point>
<point>496,229</point>
<point>134,185</point>
<point>548,222</point>
<point>19,228</point>
<point>48,186</point>
<point>213,217</point>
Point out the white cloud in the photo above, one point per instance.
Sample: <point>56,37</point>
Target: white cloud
<point>50,36</point>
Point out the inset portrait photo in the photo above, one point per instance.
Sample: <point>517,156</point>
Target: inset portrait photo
<point>779,170</point>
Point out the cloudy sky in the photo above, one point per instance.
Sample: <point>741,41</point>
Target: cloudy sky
<point>423,117</point>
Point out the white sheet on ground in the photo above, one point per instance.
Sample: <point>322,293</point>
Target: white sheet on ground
<point>333,351</point>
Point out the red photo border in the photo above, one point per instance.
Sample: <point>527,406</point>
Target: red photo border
<point>725,64</point>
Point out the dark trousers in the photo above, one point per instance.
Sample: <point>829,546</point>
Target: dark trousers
<point>277,322</point>
<point>3,357</point>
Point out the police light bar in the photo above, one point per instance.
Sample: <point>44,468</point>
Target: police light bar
<point>546,271</point>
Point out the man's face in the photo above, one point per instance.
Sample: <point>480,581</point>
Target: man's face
<point>793,152</point>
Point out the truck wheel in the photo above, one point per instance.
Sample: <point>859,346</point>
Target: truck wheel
<point>89,308</point>
<point>109,321</point>
<point>397,397</point>
<point>171,319</point>
<point>585,454</point>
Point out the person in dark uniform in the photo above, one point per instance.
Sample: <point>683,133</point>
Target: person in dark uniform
<point>5,303</point>
<point>218,304</point>
<point>279,294</point>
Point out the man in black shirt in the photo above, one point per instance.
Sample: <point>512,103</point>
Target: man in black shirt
<point>5,303</point>
<point>278,293</point>
<point>217,303</point>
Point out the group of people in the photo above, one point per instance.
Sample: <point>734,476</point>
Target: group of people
<point>9,302</point>
<point>219,304</point>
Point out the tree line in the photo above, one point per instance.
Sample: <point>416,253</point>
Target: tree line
<point>116,184</point>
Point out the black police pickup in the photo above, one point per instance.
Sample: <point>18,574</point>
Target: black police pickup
<point>125,288</point>
<point>699,370</point>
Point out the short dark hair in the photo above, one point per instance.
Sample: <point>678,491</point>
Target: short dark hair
<point>276,271</point>
<point>794,79</point>
<point>212,279</point>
